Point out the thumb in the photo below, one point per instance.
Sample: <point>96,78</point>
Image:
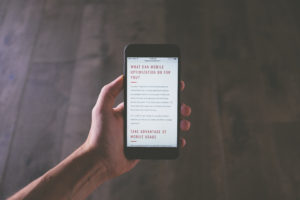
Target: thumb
<point>109,93</point>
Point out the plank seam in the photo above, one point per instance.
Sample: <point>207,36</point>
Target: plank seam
<point>3,175</point>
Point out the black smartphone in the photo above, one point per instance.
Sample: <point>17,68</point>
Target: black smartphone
<point>151,101</point>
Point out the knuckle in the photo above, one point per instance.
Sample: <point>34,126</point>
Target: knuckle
<point>95,111</point>
<point>104,89</point>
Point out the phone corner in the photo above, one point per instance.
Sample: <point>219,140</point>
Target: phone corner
<point>128,46</point>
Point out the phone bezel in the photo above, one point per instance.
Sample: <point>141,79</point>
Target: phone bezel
<point>151,50</point>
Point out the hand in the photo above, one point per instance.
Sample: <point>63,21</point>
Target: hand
<point>106,133</point>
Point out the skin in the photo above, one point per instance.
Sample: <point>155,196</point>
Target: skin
<point>98,159</point>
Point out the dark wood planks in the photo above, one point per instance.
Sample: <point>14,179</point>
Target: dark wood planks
<point>238,92</point>
<point>241,67</point>
<point>201,170</point>
<point>37,140</point>
<point>3,9</point>
<point>19,25</point>
<point>235,56</point>
<point>276,42</point>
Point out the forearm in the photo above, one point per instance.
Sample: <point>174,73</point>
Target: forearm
<point>74,178</point>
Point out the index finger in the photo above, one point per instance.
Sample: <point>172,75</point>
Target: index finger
<point>109,92</point>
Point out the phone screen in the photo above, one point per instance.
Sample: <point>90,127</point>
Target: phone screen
<point>152,101</point>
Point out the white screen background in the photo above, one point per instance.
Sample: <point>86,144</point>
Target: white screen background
<point>152,101</point>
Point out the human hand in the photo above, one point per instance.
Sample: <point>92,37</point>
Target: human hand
<point>107,133</point>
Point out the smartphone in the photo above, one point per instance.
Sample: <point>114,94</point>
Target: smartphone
<point>151,101</point>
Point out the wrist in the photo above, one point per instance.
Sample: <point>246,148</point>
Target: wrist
<point>97,159</point>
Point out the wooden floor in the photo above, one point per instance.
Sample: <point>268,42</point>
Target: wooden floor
<point>241,64</point>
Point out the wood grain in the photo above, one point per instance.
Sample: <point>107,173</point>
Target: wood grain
<point>240,62</point>
<point>37,137</point>
<point>19,25</point>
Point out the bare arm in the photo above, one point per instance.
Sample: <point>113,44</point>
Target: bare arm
<point>99,159</point>
<point>74,178</point>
